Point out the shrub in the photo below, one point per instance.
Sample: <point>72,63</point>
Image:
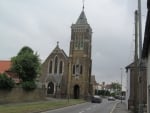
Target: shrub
<point>28,85</point>
<point>6,83</point>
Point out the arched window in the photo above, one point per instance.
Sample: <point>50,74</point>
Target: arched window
<point>61,67</point>
<point>50,66</point>
<point>56,65</point>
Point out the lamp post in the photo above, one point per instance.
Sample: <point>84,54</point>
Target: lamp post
<point>121,84</point>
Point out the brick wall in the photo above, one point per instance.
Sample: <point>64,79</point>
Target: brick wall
<point>20,95</point>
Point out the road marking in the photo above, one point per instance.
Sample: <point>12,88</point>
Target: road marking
<point>114,107</point>
<point>81,111</point>
<point>95,106</point>
<point>88,109</point>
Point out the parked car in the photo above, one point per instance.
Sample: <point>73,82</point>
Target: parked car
<point>122,97</point>
<point>96,99</point>
<point>111,98</point>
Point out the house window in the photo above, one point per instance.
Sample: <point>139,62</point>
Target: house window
<point>56,65</point>
<point>60,67</point>
<point>50,66</point>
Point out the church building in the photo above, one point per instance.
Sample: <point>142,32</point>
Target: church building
<point>70,76</point>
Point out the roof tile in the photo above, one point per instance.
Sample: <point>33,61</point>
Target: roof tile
<point>4,65</point>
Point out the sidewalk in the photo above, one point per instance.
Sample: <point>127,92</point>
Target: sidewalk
<point>121,108</point>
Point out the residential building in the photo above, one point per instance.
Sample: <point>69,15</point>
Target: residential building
<point>94,85</point>
<point>132,94</point>
<point>5,66</point>
<point>146,53</point>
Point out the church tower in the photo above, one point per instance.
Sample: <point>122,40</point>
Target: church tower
<point>80,63</point>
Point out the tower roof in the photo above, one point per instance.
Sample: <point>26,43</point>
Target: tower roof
<point>82,18</point>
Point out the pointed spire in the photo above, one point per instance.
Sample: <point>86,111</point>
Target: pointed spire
<point>83,5</point>
<point>82,18</point>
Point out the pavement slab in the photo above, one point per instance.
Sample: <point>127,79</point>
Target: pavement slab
<point>121,108</point>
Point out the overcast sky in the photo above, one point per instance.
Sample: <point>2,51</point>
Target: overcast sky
<point>39,24</point>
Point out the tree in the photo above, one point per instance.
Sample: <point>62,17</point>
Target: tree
<point>6,83</point>
<point>26,64</point>
<point>116,87</point>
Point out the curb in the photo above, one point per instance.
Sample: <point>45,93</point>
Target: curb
<point>114,107</point>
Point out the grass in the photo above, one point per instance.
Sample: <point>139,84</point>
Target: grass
<point>37,106</point>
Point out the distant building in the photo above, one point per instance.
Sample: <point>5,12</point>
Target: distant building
<point>70,76</point>
<point>132,93</point>
<point>5,66</point>
<point>95,85</point>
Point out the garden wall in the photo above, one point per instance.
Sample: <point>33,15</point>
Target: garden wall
<point>20,95</point>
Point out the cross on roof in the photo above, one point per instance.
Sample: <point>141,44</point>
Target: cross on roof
<point>57,43</point>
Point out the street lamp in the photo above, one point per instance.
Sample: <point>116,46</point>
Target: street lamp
<point>121,84</point>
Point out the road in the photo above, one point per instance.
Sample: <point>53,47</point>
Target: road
<point>88,107</point>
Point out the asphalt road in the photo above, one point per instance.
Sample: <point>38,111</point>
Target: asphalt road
<point>88,107</point>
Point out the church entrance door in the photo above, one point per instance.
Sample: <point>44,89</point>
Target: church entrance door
<point>50,88</point>
<point>76,91</point>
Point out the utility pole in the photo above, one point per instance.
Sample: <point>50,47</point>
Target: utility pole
<point>140,28</point>
<point>136,39</point>
<point>136,63</point>
<point>140,51</point>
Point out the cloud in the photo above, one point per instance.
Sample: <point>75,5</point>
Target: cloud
<point>40,24</point>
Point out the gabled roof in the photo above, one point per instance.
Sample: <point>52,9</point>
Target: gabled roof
<point>5,68</point>
<point>4,65</point>
<point>82,19</point>
<point>132,65</point>
<point>57,49</point>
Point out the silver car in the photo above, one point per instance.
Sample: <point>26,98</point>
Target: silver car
<point>111,98</point>
<point>96,99</point>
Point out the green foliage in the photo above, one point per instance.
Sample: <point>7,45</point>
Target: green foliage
<point>115,86</point>
<point>113,94</point>
<point>28,85</point>
<point>26,64</point>
<point>37,107</point>
<point>102,92</point>
<point>24,50</point>
<point>6,83</point>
